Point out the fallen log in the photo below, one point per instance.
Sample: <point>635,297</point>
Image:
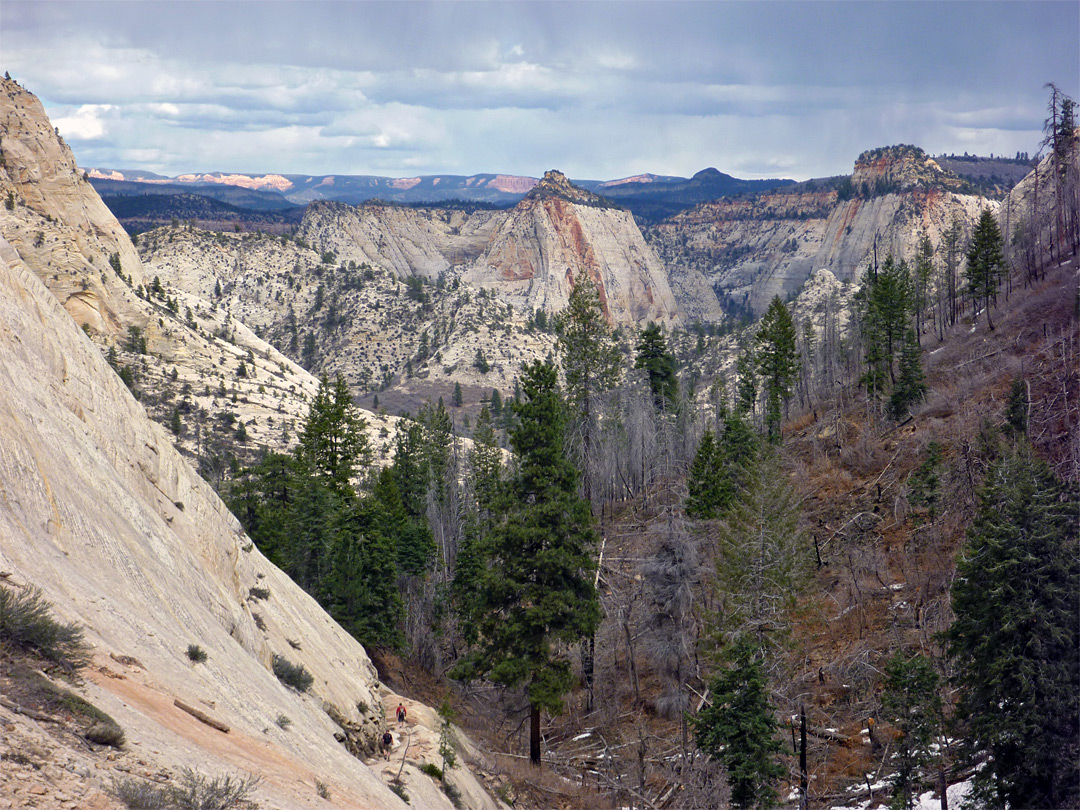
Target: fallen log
<point>41,717</point>
<point>201,716</point>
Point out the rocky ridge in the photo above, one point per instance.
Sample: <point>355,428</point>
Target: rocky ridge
<point>360,320</point>
<point>754,248</point>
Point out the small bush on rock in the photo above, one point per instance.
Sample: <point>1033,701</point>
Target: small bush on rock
<point>26,623</point>
<point>290,674</point>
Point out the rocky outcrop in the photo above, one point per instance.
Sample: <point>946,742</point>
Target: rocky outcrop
<point>560,233</point>
<point>527,257</point>
<point>408,241</point>
<point>752,249</point>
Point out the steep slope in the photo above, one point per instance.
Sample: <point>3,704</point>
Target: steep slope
<point>106,517</point>
<point>178,348</point>
<point>753,248</point>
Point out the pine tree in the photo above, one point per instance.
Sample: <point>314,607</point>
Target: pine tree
<point>360,588</point>
<point>910,702</point>
<point>705,486</point>
<point>777,362</point>
<point>738,727</point>
<point>537,590</point>
<point>458,398</point>
<point>910,385</point>
<point>762,557</point>
<point>1016,413</point>
<point>659,364</point>
<point>590,364</point>
<point>1016,637</point>
<point>332,440</point>
<point>720,467</point>
<point>986,262</point>
<point>746,386</point>
<point>924,271</point>
<point>402,489</point>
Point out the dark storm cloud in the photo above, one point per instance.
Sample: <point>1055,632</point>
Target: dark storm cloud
<point>597,89</point>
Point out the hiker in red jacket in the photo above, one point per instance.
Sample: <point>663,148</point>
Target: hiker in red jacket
<point>401,714</point>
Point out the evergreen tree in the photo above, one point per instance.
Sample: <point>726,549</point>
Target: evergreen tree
<point>332,440</point>
<point>986,262</point>
<point>746,386</point>
<point>910,385</point>
<point>1016,414</point>
<point>883,308</point>
<point>360,588</point>
<point>402,490</point>
<point>1016,637</point>
<point>705,483</point>
<point>910,702</point>
<point>924,271</point>
<point>777,362</point>
<point>485,464</point>
<point>590,364</point>
<point>738,727</point>
<point>537,591</point>
<point>762,557</point>
<point>659,364</point>
<point>720,467</point>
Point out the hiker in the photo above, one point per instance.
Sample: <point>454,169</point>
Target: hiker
<point>401,714</point>
<point>387,743</point>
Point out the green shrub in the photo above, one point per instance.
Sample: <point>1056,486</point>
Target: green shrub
<point>432,770</point>
<point>283,721</point>
<point>400,791</point>
<point>291,674</point>
<point>322,789</point>
<point>105,734</point>
<point>27,624</point>
<point>196,653</point>
<point>453,794</point>
<point>194,792</point>
<point>259,593</point>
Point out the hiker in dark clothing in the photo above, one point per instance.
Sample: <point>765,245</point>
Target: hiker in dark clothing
<point>387,743</point>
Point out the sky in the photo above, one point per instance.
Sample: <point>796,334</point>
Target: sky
<point>598,90</point>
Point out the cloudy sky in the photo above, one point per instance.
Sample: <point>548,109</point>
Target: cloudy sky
<point>599,90</point>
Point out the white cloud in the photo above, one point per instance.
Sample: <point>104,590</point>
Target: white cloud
<point>85,124</point>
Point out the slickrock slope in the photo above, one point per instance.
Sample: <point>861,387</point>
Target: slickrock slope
<point>104,515</point>
<point>187,351</point>
<point>753,248</point>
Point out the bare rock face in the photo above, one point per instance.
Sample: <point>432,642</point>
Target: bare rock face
<point>56,220</point>
<point>104,515</point>
<point>560,233</point>
<point>407,241</point>
<point>901,167</point>
<point>752,249</point>
<point>527,257</point>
